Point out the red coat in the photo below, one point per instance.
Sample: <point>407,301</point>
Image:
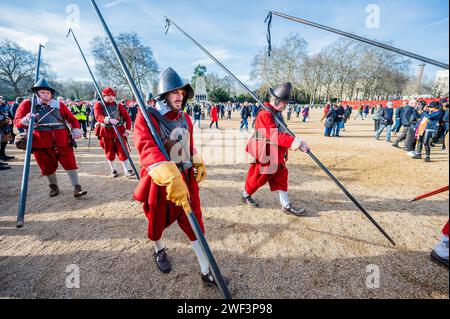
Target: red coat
<point>47,139</point>
<point>108,132</point>
<point>153,196</point>
<point>215,114</point>
<point>281,142</point>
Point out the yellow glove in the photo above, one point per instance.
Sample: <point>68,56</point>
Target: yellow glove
<point>167,174</point>
<point>198,163</point>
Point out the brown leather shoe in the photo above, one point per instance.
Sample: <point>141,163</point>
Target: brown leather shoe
<point>78,192</point>
<point>54,190</point>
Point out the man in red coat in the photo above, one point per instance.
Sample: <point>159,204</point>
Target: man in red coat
<point>169,189</point>
<point>269,146</point>
<point>51,136</point>
<point>118,116</point>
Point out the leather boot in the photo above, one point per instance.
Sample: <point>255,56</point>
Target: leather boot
<point>54,190</point>
<point>78,192</point>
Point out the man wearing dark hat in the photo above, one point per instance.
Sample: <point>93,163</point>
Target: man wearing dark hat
<point>169,189</point>
<point>52,143</point>
<point>269,147</point>
<point>150,100</point>
<point>118,115</point>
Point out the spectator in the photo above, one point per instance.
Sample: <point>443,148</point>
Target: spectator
<point>229,109</point>
<point>366,111</point>
<point>398,118</point>
<point>305,113</point>
<point>406,117</point>
<point>214,116</point>
<point>445,120</point>
<point>298,109</point>
<point>331,118</point>
<point>410,143</point>
<point>197,114</point>
<point>133,111</point>
<point>386,121</point>
<point>290,107</point>
<point>338,119</point>
<point>257,108</point>
<point>245,113</point>
<point>376,117</point>
<point>360,112</point>
<point>325,111</point>
<point>12,114</point>
<point>5,129</point>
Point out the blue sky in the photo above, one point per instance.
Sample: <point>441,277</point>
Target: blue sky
<point>232,30</point>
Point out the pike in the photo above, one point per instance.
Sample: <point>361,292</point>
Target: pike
<point>191,216</point>
<point>351,36</point>
<point>314,158</point>
<point>432,193</point>
<point>26,165</point>
<point>97,88</point>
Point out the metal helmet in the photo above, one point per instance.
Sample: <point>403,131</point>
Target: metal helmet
<point>170,81</point>
<point>283,92</point>
<point>149,97</point>
<point>42,84</point>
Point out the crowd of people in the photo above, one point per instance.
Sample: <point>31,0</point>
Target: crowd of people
<point>335,116</point>
<point>424,125</point>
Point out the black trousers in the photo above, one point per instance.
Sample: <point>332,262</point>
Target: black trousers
<point>425,140</point>
<point>410,143</point>
<point>83,125</point>
<point>3,148</point>
<point>217,124</point>
<point>376,125</point>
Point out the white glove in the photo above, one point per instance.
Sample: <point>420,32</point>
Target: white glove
<point>26,119</point>
<point>304,148</point>
<point>296,143</point>
<point>77,133</point>
<point>127,133</point>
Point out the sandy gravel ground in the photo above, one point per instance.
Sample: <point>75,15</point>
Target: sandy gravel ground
<point>266,253</point>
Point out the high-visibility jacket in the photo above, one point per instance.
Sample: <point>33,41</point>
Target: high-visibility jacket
<point>79,112</point>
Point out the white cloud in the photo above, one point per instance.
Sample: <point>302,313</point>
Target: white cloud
<point>50,30</point>
<point>27,41</point>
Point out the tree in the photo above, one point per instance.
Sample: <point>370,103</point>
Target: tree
<point>199,71</point>
<point>77,90</point>
<point>244,98</point>
<point>138,58</point>
<point>18,68</point>
<point>219,95</point>
<point>284,63</point>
